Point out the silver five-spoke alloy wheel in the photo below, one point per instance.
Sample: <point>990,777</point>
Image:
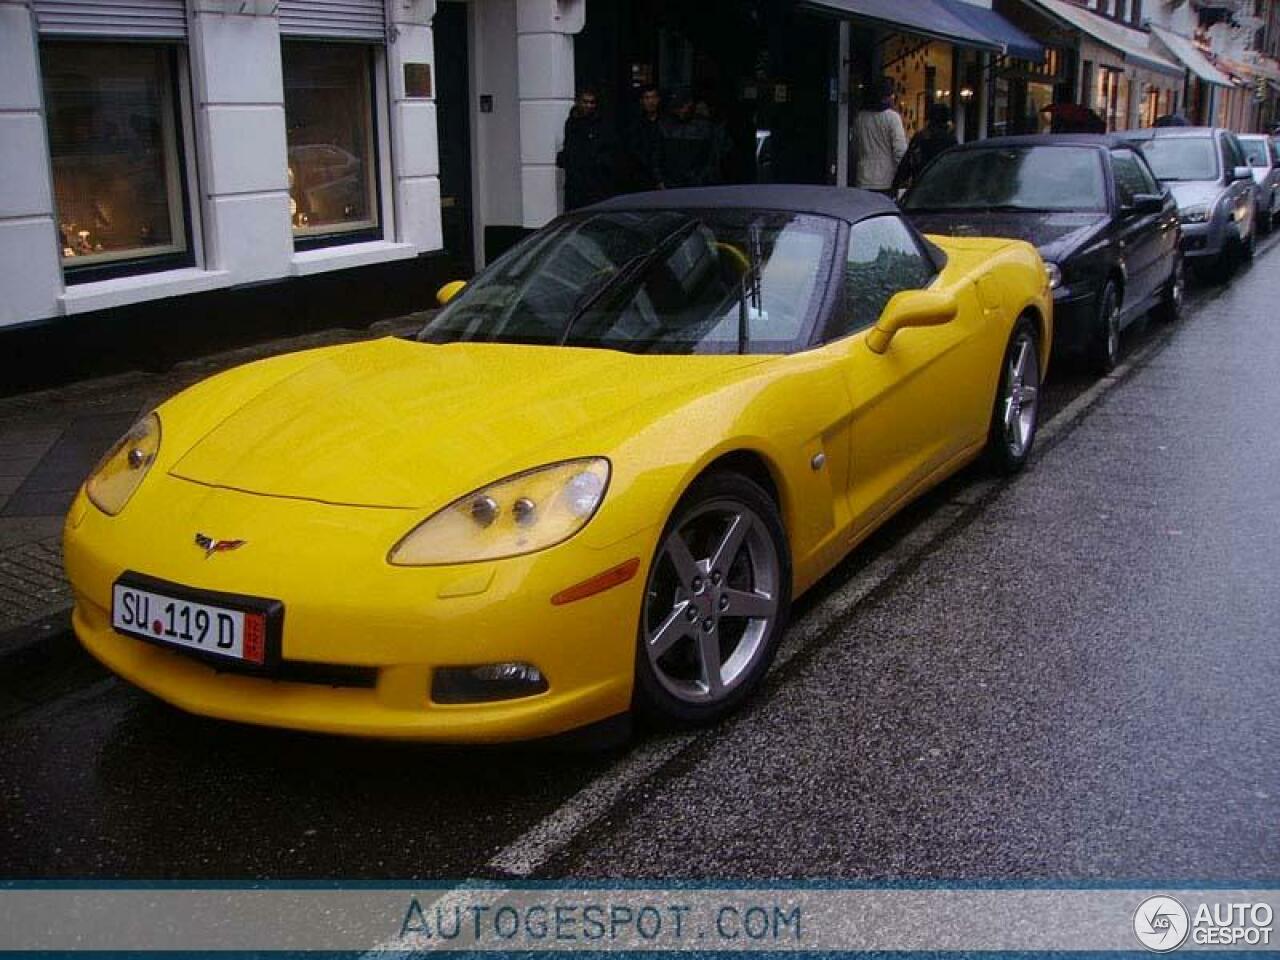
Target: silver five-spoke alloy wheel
<point>1021,400</point>
<point>713,596</point>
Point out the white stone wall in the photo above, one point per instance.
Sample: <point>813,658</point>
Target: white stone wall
<point>415,155</point>
<point>544,53</point>
<point>495,74</point>
<point>240,139</point>
<point>237,165</point>
<point>30,274</point>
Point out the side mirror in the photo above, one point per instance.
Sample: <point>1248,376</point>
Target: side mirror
<point>449,291</point>
<point>911,308</point>
<point>1242,173</point>
<point>1145,203</point>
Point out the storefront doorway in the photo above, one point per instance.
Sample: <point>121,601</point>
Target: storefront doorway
<point>763,72</point>
<point>453,101</point>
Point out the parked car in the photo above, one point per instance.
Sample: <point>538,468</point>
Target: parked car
<point>1264,160</point>
<point>1090,204</point>
<point>1206,169</point>
<point>595,481</point>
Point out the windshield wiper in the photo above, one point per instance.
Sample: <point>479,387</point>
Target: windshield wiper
<point>630,268</point>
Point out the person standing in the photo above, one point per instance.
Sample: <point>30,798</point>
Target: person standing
<point>588,155</point>
<point>934,139</point>
<point>881,140</point>
<point>644,142</point>
<point>688,148</point>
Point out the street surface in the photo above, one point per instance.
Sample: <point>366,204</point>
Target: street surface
<point>1066,677</point>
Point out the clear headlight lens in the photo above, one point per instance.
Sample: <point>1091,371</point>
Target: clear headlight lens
<point>1197,213</point>
<point>522,514</point>
<point>1055,275</point>
<point>120,472</point>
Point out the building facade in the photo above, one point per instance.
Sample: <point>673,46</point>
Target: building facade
<point>176,167</point>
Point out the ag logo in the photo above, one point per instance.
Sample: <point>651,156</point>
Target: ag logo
<point>1160,924</point>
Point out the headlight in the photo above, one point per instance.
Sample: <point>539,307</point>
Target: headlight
<point>522,514</point>
<point>119,473</point>
<point>1055,275</point>
<point>1197,213</point>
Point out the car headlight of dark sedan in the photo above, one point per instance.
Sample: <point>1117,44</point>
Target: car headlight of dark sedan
<point>523,514</point>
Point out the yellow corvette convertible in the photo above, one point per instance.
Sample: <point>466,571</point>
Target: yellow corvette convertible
<point>593,483</point>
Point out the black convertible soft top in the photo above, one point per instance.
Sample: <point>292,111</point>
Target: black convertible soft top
<point>842,203</point>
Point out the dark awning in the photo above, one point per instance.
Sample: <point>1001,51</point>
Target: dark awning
<point>989,23</point>
<point>928,18</point>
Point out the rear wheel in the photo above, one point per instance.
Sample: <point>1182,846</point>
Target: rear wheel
<point>715,604</point>
<point>1104,350</point>
<point>1016,416</point>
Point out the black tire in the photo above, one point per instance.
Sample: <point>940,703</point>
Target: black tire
<point>1169,308</point>
<point>1104,345</point>
<point>1009,437</point>
<point>659,695</point>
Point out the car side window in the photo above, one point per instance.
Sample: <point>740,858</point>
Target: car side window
<point>1130,177</point>
<point>884,259</point>
<point>1149,182</point>
<point>1232,155</point>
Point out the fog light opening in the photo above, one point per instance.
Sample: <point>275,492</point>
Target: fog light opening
<point>487,683</point>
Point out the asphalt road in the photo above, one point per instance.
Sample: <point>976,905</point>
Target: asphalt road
<point>1066,677</point>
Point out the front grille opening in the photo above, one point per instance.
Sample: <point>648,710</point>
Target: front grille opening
<point>326,674</point>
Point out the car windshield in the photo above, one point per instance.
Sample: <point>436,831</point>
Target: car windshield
<point>1018,178</point>
<point>660,282</point>
<point>1256,152</point>
<point>1181,158</point>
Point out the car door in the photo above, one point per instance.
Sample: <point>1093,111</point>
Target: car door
<point>1139,234</point>
<point>914,406</point>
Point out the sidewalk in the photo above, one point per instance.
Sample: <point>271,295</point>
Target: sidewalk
<point>50,440</point>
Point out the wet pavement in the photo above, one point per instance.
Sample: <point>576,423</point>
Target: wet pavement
<point>1074,681</point>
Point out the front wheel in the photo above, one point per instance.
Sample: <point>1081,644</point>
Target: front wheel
<point>1104,350</point>
<point>1016,416</point>
<point>1169,308</point>
<point>715,604</point>
<point>1248,248</point>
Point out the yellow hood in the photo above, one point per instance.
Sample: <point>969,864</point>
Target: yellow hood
<point>391,423</point>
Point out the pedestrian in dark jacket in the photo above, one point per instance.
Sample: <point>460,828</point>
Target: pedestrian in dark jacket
<point>688,146</point>
<point>644,143</point>
<point>935,138</point>
<point>588,157</point>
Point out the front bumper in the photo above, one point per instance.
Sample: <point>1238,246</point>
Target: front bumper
<point>349,613</point>
<point>1205,241</point>
<point>1075,314</point>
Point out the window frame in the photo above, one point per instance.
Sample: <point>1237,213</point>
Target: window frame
<point>1143,169</point>
<point>328,236</point>
<point>179,161</point>
<point>933,257</point>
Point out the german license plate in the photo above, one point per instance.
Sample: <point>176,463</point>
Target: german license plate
<point>207,628</point>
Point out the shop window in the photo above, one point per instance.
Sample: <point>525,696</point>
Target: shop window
<point>115,150</point>
<point>329,115</point>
